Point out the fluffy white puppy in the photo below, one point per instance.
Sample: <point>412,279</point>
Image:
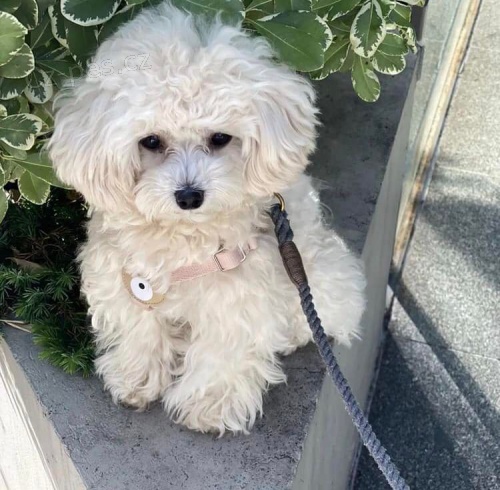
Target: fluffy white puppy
<point>179,156</point>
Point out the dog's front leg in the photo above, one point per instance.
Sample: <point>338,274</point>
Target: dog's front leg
<point>222,385</point>
<point>136,357</point>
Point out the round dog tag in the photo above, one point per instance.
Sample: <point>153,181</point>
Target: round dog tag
<point>141,290</point>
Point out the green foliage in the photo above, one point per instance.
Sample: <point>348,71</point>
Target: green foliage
<point>39,281</point>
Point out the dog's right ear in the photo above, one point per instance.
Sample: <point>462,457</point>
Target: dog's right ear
<point>89,147</point>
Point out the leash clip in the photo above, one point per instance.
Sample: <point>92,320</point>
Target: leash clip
<point>281,200</point>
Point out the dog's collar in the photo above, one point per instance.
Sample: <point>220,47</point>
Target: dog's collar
<point>224,260</point>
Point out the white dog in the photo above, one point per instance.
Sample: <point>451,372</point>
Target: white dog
<point>179,159</point>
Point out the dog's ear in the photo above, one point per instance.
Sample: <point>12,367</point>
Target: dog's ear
<point>89,147</point>
<point>284,132</point>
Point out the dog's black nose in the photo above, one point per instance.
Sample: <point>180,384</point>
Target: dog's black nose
<point>189,198</point>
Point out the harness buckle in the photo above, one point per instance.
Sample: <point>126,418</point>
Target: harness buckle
<point>218,263</point>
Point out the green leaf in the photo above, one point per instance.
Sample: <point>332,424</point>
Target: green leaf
<point>393,45</point>
<point>387,6</point>
<point>341,26</point>
<point>20,66</point>
<point>33,189</point>
<point>335,57</point>
<point>12,171</point>
<point>388,65</point>
<point>40,166</point>
<point>336,8</point>
<point>82,42</point>
<point>368,29</point>
<point>364,80</point>
<point>400,15</point>
<point>230,10</point>
<point>43,5</point>
<point>42,33</point>
<point>10,6</point>
<point>299,38</point>
<point>13,152</point>
<point>40,88</point>
<point>19,130</point>
<point>27,13</point>
<point>11,88</point>
<point>4,204</point>
<point>112,25</point>
<point>41,111</point>
<point>12,34</point>
<point>135,2</point>
<point>349,61</point>
<point>65,68</point>
<point>57,25</point>
<point>290,5</point>
<point>89,12</point>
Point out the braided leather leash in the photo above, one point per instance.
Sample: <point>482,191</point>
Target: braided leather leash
<point>295,269</point>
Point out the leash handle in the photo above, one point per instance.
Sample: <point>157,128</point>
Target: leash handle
<point>295,269</point>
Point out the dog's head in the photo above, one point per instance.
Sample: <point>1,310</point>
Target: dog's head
<point>181,118</point>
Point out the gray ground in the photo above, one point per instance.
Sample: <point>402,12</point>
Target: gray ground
<point>437,400</point>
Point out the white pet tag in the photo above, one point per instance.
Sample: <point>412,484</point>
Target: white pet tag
<point>140,289</point>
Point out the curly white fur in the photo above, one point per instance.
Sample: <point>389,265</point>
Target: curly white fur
<point>211,349</point>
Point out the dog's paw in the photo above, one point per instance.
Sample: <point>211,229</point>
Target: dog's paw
<point>216,410</point>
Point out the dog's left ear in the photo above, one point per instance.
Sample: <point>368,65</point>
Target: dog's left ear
<point>284,131</point>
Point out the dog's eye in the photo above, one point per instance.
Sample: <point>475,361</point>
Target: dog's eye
<point>220,139</point>
<point>151,142</point>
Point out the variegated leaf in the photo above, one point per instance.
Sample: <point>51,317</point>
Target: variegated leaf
<point>290,5</point>
<point>230,10</point>
<point>135,2</point>
<point>12,34</point>
<point>388,65</point>
<point>349,61</point>
<point>89,12</point>
<point>335,57</point>
<point>3,111</point>
<point>341,26</point>
<point>387,6</point>
<point>368,29</point>
<point>33,189</point>
<point>3,176</point>
<point>12,171</point>
<point>82,42</point>
<point>57,25</point>
<point>40,88</point>
<point>10,6</point>
<point>40,166</point>
<point>42,33</point>
<point>42,111</point>
<point>364,80</point>
<point>11,88</point>
<point>400,15</point>
<point>4,204</point>
<point>393,45</point>
<point>27,13</point>
<point>20,66</point>
<point>410,38</point>
<point>13,152</point>
<point>112,25</point>
<point>336,8</point>
<point>299,38</point>
<point>19,130</point>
